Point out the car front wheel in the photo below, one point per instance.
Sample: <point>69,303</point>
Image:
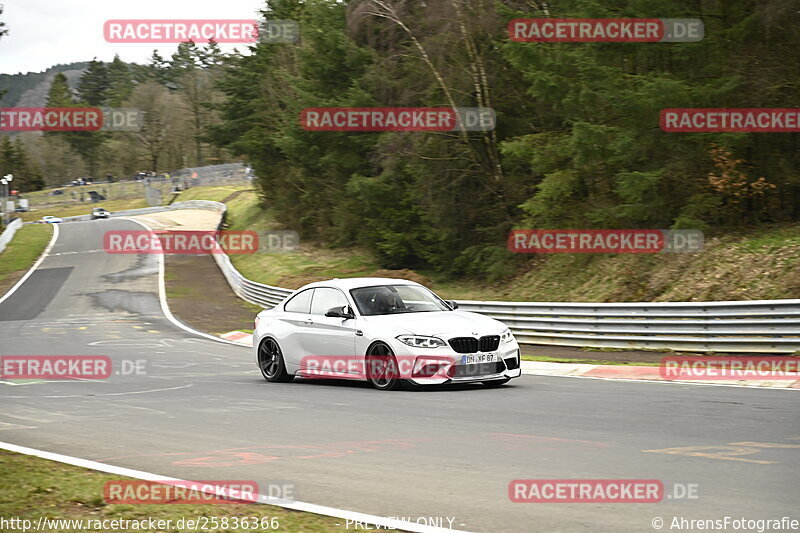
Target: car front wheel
<point>382,371</point>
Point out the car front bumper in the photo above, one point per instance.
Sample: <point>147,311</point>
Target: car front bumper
<point>455,372</point>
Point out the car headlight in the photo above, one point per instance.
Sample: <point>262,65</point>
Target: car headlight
<point>418,341</point>
<point>506,336</point>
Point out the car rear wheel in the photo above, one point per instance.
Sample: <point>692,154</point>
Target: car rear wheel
<point>270,361</point>
<point>382,371</point>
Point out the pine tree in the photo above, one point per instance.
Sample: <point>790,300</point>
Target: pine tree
<point>85,143</point>
<point>60,95</point>
<point>94,84</point>
<point>8,156</point>
<point>30,177</point>
<point>187,57</point>
<point>14,159</point>
<point>211,56</point>
<point>120,82</point>
<point>159,69</point>
<point>193,83</point>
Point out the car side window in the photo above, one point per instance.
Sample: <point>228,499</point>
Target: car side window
<point>325,298</point>
<point>300,303</point>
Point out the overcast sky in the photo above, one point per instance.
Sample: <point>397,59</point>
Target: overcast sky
<point>42,33</point>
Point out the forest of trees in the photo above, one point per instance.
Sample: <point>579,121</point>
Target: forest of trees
<point>14,86</point>
<point>577,144</point>
<point>177,96</point>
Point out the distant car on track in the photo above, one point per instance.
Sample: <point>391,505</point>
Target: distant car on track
<point>50,220</point>
<point>390,332</point>
<point>99,212</point>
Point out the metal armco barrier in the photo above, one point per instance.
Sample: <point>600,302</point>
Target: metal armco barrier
<point>251,291</point>
<point>758,326</point>
<point>9,232</point>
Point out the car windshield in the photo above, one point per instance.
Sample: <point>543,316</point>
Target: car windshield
<point>394,299</point>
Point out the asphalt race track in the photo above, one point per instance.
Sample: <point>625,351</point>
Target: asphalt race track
<point>204,412</point>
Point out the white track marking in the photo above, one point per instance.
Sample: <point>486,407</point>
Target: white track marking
<point>372,520</point>
<point>73,253</point>
<point>19,283</point>
<point>147,391</point>
<point>8,425</point>
<point>162,294</point>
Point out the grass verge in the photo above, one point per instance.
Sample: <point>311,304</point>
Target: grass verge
<point>37,487</point>
<point>216,193</point>
<point>199,295</point>
<point>27,245</point>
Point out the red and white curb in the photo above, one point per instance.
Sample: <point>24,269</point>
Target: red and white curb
<point>640,373</point>
<point>239,337</point>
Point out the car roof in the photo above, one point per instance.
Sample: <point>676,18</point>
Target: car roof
<point>354,283</point>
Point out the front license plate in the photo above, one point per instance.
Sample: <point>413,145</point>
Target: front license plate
<point>478,358</point>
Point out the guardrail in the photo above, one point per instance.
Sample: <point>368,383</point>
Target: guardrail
<point>9,232</point>
<point>759,326</point>
<point>251,291</point>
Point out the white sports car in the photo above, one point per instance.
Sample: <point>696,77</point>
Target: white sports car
<point>388,331</point>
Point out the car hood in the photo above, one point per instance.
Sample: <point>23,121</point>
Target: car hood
<point>445,324</point>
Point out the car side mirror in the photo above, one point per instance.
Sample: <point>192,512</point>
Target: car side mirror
<point>452,303</point>
<point>343,311</point>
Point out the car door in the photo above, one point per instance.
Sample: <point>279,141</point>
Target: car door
<point>296,323</point>
<point>333,337</point>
